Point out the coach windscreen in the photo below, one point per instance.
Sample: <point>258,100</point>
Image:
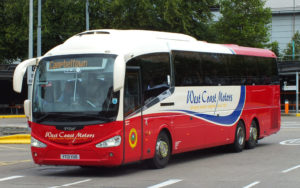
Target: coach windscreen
<point>75,90</point>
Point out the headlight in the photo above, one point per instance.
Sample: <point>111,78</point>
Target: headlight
<point>36,143</point>
<point>112,142</point>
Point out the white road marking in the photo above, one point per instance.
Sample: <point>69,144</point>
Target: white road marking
<point>10,178</point>
<point>252,184</point>
<point>291,122</point>
<point>69,184</point>
<point>291,142</point>
<point>290,127</point>
<point>290,169</point>
<point>166,183</point>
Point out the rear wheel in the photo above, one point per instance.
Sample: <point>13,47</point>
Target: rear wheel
<point>162,152</point>
<point>253,136</point>
<point>239,141</point>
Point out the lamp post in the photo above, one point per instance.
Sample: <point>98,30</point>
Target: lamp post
<point>39,31</point>
<point>30,46</point>
<point>87,18</point>
<point>30,41</point>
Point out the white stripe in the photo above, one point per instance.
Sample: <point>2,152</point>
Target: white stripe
<point>66,185</point>
<point>69,184</point>
<point>285,124</point>
<point>290,122</point>
<point>10,178</point>
<point>252,184</point>
<point>290,169</point>
<point>290,127</point>
<point>166,183</point>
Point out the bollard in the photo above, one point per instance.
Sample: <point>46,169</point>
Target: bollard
<point>286,107</point>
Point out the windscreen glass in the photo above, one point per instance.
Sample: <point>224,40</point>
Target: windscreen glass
<point>75,90</point>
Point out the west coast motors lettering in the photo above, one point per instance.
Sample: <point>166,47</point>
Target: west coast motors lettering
<point>205,97</point>
<point>63,135</point>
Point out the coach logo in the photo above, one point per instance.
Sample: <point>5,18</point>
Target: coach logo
<point>69,128</point>
<point>133,138</point>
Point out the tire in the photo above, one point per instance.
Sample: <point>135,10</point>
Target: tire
<point>240,136</point>
<point>253,136</point>
<point>162,152</point>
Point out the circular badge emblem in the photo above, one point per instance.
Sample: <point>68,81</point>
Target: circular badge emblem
<point>132,138</point>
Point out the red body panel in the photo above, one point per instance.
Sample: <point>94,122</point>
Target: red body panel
<point>68,142</point>
<point>133,139</point>
<point>139,138</point>
<point>263,103</point>
<point>241,50</point>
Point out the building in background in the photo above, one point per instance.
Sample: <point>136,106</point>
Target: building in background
<point>285,23</point>
<point>285,20</point>
<point>10,101</point>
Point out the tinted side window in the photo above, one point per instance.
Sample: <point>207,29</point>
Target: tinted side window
<point>242,70</point>
<point>254,70</point>
<point>155,69</point>
<point>235,68</point>
<point>188,70</point>
<point>132,95</point>
<point>267,71</point>
<point>196,69</point>
<point>214,69</point>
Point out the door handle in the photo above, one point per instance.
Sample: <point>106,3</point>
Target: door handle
<point>167,104</point>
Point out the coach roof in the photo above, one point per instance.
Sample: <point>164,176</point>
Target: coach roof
<point>137,42</point>
<point>118,42</point>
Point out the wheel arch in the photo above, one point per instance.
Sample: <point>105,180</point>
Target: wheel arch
<point>243,122</point>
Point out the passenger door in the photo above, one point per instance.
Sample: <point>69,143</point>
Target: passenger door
<point>132,115</point>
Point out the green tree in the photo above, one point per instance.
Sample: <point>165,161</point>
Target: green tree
<point>288,52</point>
<point>62,19</point>
<point>13,30</point>
<point>189,17</point>
<point>244,22</point>
<point>274,46</point>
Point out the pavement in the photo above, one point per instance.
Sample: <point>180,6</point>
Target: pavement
<point>14,129</point>
<point>291,114</point>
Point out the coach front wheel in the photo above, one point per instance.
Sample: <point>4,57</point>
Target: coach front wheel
<point>162,152</point>
<point>239,141</point>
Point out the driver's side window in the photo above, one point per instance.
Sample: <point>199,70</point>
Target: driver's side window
<point>132,94</point>
<point>155,74</point>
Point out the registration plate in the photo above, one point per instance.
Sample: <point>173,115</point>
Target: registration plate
<point>69,156</point>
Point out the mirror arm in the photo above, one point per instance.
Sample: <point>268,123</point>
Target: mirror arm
<point>19,73</point>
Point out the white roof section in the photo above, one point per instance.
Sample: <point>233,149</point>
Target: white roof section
<point>199,46</point>
<point>132,43</point>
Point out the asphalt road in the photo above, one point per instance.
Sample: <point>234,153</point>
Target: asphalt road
<point>275,162</point>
